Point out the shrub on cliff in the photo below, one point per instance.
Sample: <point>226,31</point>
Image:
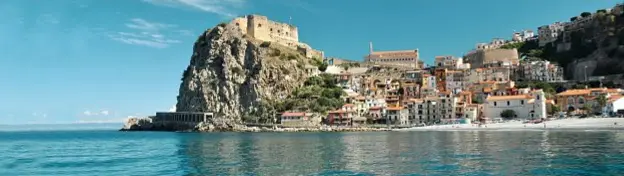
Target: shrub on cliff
<point>319,94</point>
<point>322,67</point>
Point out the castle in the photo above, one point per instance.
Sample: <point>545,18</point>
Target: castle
<point>261,28</point>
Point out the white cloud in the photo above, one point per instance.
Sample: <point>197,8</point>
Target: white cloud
<point>92,113</point>
<point>220,7</point>
<point>172,109</point>
<point>146,33</point>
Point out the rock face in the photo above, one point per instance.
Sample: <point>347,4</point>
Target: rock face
<point>233,75</point>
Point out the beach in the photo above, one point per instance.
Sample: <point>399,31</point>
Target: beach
<point>571,123</point>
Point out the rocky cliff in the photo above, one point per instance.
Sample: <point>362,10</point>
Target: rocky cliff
<point>238,77</point>
<point>593,48</point>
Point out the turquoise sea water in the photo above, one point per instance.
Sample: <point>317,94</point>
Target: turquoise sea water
<point>107,152</point>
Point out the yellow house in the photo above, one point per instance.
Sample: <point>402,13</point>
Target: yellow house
<point>575,99</point>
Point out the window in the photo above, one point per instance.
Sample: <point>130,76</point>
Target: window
<point>581,100</point>
<point>508,103</point>
<point>494,103</point>
<point>522,102</point>
<point>271,29</point>
<point>259,25</point>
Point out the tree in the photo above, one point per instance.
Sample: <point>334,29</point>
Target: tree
<point>586,107</point>
<point>553,110</point>
<point>322,67</point>
<point>508,114</point>
<point>602,101</point>
<point>585,14</point>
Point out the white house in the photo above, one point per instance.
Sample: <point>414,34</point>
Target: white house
<point>614,103</point>
<point>526,106</point>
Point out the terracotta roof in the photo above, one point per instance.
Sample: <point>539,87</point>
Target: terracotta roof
<point>508,97</point>
<point>360,98</point>
<point>347,105</point>
<point>394,52</point>
<point>375,108</point>
<point>550,101</point>
<point>293,114</point>
<point>394,108</point>
<point>465,92</point>
<point>574,92</point>
<point>613,98</point>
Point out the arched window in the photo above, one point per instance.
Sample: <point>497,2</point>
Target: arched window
<point>581,100</point>
<point>570,100</point>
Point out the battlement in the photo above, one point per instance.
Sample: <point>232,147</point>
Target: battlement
<point>261,28</point>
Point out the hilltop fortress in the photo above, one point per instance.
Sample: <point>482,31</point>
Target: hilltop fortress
<point>261,28</point>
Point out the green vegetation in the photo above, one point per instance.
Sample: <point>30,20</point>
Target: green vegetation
<point>508,114</point>
<point>322,67</point>
<point>585,14</point>
<point>275,52</point>
<point>548,88</point>
<point>292,57</point>
<point>587,108</point>
<point>265,44</point>
<point>601,100</point>
<point>222,24</point>
<point>319,94</point>
<point>553,110</point>
<point>475,100</point>
<point>348,65</point>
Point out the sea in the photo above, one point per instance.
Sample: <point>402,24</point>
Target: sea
<point>109,152</point>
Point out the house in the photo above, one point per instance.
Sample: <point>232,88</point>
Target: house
<point>298,119</point>
<point>397,116</point>
<point>615,103</point>
<point>525,106</point>
<point>342,116</point>
<point>573,100</point>
<point>375,114</point>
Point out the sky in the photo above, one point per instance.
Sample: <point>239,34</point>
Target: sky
<point>97,61</point>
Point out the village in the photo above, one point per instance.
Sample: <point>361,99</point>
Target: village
<point>491,83</point>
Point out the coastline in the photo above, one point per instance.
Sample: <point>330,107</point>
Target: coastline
<point>559,124</point>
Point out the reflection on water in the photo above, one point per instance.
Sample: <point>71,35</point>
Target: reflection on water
<point>396,153</point>
<point>380,153</point>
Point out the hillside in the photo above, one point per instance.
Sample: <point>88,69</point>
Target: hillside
<point>597,45</point>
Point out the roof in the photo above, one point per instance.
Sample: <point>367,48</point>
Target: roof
<point>508,97</point>
<point>375,108</point>
<point>394,108</point>
<point>574,92</point>
<point>614,98</point>
<point>395,52</point>
<point>550,101</point>
<point>293,114</point>
<point>347,105</point>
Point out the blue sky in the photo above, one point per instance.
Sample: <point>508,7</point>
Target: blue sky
<point>69,61</point>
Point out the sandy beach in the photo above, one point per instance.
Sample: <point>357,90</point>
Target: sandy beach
<point>586,123</point>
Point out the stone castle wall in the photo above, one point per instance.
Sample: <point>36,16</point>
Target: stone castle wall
<point>489,56</point>
<point>261,28</point>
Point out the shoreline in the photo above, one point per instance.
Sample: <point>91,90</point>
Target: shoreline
<point>558,124</point>
<point>586,124</point>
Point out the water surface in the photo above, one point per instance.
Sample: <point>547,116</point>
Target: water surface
<point>367,153</point>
